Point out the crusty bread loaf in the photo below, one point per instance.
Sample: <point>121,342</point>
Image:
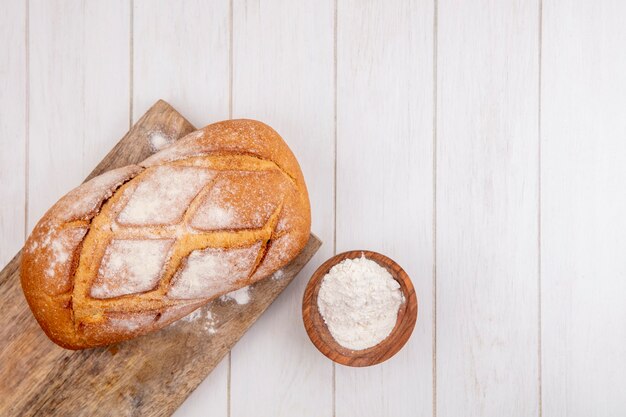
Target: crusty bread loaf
<point>141,246</point>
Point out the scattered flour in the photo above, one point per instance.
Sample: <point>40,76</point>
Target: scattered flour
<point>158,141</point>
<point>209,326</point>
<point>178,150</point>
<point>193,316</point>
<point>278,275</point>
<point>241,296</point>
<point>210,321</point>
<point>359,301</point>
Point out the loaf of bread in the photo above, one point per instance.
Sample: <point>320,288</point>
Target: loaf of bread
<point>139,247</point>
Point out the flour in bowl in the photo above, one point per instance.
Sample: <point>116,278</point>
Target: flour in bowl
<point>359,301</point>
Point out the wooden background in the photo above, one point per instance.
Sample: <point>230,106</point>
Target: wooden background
<point>481,144</point>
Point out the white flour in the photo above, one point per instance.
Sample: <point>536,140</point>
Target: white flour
<point>359,301</point>
<point>280,274</point>
<point>212,270</point>
<point>158,141</point>
<point>160,198</point>
<point>130,266</point>
<point>241,296</point>
<point>209,321</point>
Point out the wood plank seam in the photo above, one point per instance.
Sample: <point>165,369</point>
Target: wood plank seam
<point>335,87</point>
<point>131,63</point>
<point>230,116</point>
<point>494,134</point>
<point>46,398</point>
<point>391,113</point>
<point>434,202</point>
<point>283,74</point>
<point>27,117</point>
<point>539,324</point>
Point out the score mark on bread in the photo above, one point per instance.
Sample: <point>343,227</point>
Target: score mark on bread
<point>141,246</point>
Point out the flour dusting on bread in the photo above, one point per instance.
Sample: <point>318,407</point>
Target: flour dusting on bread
<point>84,201</point>
<point>130,323</point>
<point>62,247</point>
<point>141,246</point>
<point>215,216</point>
<point>163,196</point>
<point>213,271</point>
<point>240,200</point>
<point>130,266</point>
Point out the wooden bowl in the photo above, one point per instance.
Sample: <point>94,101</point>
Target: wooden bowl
<point>324,341</point>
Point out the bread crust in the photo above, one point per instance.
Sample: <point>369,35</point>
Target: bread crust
<point>218,210</point>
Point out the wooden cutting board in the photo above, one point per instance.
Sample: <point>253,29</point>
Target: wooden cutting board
<point>147,376</point>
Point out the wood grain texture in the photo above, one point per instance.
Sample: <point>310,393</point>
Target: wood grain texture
<point>162,118</point>
<point>384,182</point>
<point>150,375</point>
<point>583,197</point>
<point>487,209</point>
<point>12,127</point>
<point>322,338</point>
<point>31,360</point>
<point>181,52</point>
<point>105,77</point>
<point>86,57</point>
<point>283,75</point>
<point>25,372</point>
<point>79,92</point>
<point>147,376</point>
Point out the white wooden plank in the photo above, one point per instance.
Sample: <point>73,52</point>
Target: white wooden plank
<point>283,75</point>
<point>210,398</point>
<point>181,54</point>
<point>487,209</point>
<point>79,92</point>
<point>12,127</point>
<point>385,182</point>
<point>106,78</point>
<point>583,204</point>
